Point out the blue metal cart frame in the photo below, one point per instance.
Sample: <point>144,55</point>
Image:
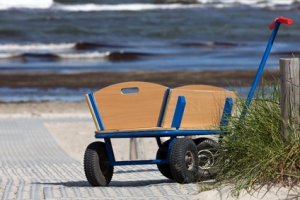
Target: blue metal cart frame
<point>173,134</point>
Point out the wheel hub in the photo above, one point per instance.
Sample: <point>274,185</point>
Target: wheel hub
<point>206,159</point>
<point>189,160</point>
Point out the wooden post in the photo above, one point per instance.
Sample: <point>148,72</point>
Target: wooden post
<point>289,94</point>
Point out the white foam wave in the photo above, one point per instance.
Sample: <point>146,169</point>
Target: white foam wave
<point>254,3</point>
<point>91,55</point>
<point>64,56</point>
<point>8,55</point>
<point>202,3</point>
<point>32,4</point>
<point>35,47</point>
<point>122,7</point>
<point>48,4</point>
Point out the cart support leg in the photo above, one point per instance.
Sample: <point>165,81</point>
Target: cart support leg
<point>109,149</point>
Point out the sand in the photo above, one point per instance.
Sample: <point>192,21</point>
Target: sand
<point>74,138</point>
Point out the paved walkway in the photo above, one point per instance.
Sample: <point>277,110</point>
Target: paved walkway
<point>33,166</point>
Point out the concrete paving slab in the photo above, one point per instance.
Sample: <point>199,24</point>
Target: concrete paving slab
<point>34,166</point>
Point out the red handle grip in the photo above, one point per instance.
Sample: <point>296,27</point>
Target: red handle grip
<point>281,20</point>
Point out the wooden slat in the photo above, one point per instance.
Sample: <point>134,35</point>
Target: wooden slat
<point>136,130</point>
<point>203,108</point>
<point>127,111</point>
<point>200,87</point>
<point>200,128</point>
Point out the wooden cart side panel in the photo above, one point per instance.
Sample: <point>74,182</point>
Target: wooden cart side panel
<point>140,109</point>
<point>200,87</point>
<point>203,108</point>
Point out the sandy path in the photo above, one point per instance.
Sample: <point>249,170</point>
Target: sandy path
<point>73,137</point>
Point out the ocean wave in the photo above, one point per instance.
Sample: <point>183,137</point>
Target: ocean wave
<point>28,56</point>
<point>275,4</point>
<point>49,4</point>
<point>31,4</point>
<point>55,47</point>
<point>210,44</point>
<point>9,55</point>
<point>90,55</point>
<point>53,56</point>
<point>122,7</point>
<point>36,47</point>
<point>110,56</point>
<point>89,51</point>
<point>91,45</point>
<point>126,56</point>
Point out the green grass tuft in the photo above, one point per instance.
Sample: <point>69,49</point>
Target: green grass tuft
<point>254,152</point>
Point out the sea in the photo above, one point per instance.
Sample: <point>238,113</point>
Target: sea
<point>74,36</point>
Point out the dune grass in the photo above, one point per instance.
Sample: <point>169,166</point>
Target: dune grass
<point>254,152</point>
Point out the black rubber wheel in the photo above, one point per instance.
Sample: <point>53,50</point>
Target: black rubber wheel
<point>95,160</point>
<point>208,165</point>
<point>184,160</point>
<point>164,168</point>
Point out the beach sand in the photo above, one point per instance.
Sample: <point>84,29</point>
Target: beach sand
<point>75,137</point>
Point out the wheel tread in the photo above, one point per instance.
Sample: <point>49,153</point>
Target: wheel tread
<point>164,168</point>
<point>92,168</point>
<point>177,163</point>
